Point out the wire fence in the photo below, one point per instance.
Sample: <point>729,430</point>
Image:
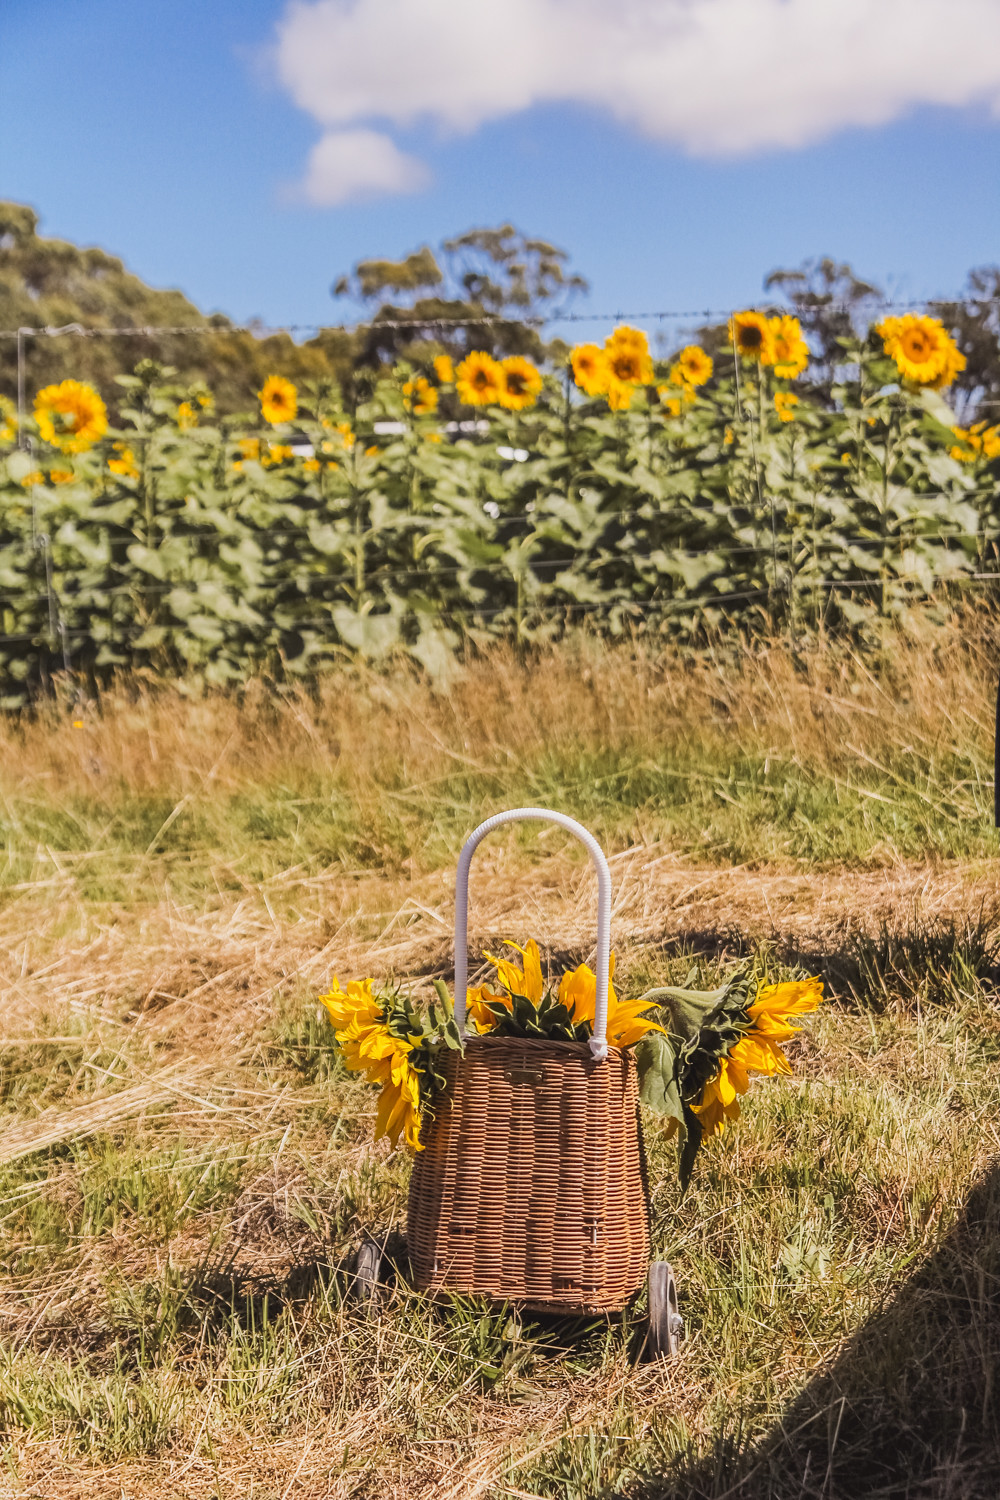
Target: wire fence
<point>487,319</point>
<point>85,597</point>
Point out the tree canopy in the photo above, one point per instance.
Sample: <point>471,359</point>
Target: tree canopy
<point>48,283</point>
<point>486,286</point>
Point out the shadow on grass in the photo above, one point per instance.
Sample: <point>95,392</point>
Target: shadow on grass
<point>920,962</point>
<point>932,963</point>
<point>910,1410</point>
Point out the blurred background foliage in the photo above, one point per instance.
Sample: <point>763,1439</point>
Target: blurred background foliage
<point>383,509</point>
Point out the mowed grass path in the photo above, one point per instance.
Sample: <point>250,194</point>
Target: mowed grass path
<point>184,1168</point>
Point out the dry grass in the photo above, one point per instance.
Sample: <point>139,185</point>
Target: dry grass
<point>191,1169</point>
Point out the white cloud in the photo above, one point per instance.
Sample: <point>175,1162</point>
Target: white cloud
<point>715,77</point>
<point>347,165</point>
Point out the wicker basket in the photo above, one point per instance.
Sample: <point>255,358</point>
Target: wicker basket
<point>532,1182</point>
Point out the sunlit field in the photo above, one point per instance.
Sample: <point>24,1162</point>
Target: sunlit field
<point>186,1168</point>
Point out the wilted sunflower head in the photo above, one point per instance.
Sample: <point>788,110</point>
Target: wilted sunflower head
<point>71,416</point>
<point>522,383</point>
<point>279,400</point>
<point>479,379</point>
<point>751,334</point>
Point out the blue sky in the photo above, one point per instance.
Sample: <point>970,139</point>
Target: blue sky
<point>178,137</point>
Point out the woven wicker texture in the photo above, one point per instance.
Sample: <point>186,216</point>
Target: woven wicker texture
<point>532,1183</point>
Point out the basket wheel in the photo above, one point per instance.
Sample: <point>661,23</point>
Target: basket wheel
<point>665,1322</point>
<point>366,1273</point>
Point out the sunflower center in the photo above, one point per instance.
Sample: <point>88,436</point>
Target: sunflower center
<point>624,367</point>
<point>918,347</point>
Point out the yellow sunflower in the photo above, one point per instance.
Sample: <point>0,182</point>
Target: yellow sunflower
<point>692,365</point>
<point>419,396</point>
<point>125,463</point>
<point>479,379</point>
<point>625,337</point>
<point>30,480</point>
<point>444,369</point>
<point>521,383</point>
<point>249,452</point>
<point>343,430</point>
<point>8,420</point>
<point>590,369</point>
<point>751,333</point>
<point>619,394</point>
<point>954,364</point>
<point>527,980</point>
<point>789,350</point>
<point>785,403</point>
<point>71,416</point>
<point>626,1023</point>
<point>922,348</point>
<point>981,442</point>
<point>279,400</point>
<point>759,1051</point>
<point>368,1047</point>
<point>61,476</point>
<point>577,991</point>
<point>627,354</point>
<point>187,417</point>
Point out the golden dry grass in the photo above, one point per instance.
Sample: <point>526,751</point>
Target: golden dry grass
<point>171,1295</point>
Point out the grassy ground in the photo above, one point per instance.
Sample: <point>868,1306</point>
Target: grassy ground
<point>184,1170</point>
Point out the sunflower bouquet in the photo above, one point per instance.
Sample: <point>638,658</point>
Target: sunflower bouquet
<point>696,1050</point>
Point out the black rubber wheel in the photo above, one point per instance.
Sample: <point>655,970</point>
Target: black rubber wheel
<point>366,1273</point>
<point>665,1322</point>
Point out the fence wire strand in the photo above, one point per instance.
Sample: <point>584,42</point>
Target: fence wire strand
<point>483,320</point>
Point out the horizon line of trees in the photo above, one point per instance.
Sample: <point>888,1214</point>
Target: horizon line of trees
<point>429,302</point>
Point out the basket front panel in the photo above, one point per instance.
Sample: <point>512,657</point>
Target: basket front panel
<point>531,1184</point>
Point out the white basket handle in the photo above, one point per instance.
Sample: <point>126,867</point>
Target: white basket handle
<point>599,1041</point>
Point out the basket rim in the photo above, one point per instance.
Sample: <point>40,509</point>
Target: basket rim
<point>540,1044</point>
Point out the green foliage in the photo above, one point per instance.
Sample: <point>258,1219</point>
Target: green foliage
<point>545,1019</point>
<point>50,283</point>
<point>366,530</point>
<point>699,1029</point>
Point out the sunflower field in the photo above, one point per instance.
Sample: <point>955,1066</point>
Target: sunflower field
<point>448,504</point>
